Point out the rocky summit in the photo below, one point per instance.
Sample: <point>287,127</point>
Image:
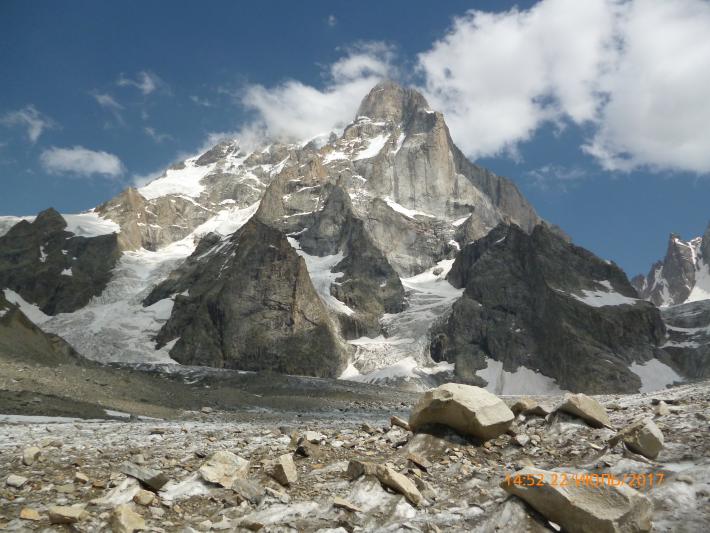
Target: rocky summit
<point>362,331</point>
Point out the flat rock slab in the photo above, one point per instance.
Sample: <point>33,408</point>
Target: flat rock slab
<point>61,514</point>
<point>469,410</point>
<point>583,507</point>
<point>152,479</point>
<point>586,408</point>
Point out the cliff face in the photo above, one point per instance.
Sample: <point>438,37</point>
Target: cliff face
<point>53,268</point>
<point>247,302</point>
<point>534,300</point>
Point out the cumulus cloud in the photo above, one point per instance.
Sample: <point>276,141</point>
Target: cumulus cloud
<point>31,119</point>
<point>294,111</point>
<point>80,161</point>
<point>145,81</point>
<point>657,110</point>
<point>634,73</point>
<point>498,77</point>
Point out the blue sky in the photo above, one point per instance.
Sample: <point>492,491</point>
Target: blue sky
<point>609,141</point>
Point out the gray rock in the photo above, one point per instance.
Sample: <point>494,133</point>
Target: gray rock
<point>152,479</point>
<point>30,455</point>
<point>62,514</point>
<point>284,471</point>
<point>13,480</point>
<point>583,507</point>
<point>468,410</point>
<point>224,468</point>
<point>586,408</point>
<point>643,437</point>
<point>125,520</point>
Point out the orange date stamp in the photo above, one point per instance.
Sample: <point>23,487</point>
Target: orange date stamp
<point>564,479</point>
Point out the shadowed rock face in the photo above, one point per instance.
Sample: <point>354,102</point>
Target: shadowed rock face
<point>689,337</point>
<point>521,306</point>
<point>250,305</point>
<point>368,285</point>
<point>53,268</point>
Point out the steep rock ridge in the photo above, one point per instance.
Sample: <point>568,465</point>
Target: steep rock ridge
<point>682,276</point>
<point>21,339</point>
<point>246,302</point>
<point>53,268</point>
<point>539,302</point>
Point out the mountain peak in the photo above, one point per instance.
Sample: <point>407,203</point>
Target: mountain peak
<point>390,101</point>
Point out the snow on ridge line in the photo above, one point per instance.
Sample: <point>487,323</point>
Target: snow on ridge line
<point>186,181</point>
<point>88,224</point>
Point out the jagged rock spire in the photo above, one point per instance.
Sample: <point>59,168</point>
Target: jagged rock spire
<point>389,101</point>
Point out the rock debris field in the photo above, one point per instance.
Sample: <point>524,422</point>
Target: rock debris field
<point>632,463</point>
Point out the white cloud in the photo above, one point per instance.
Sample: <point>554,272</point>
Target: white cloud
<point>80,161</point>
<point>294,111</point>
<point>498,77</point>
<point>204,102</point>
<point>331,20</point>
<point>157,137</point>
<point>31,119</point>
<point>109,103</point>
<point>145,81</point>
<point>657,114</point>
<point>556,177</point>
<point>635,73</point>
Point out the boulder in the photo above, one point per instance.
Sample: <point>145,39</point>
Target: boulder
<point>62,514</point>
<point>468,410</point>
<point>224,468</point>
<point>125,520</point>
<point>30,455</point>
<point>284,471</point>
<point>586,408</point>
<point>642,437</point>
<point>583,507</point>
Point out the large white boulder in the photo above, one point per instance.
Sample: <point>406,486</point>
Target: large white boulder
<point>468,410</point>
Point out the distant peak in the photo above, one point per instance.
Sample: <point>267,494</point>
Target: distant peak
<point>50,220</point>
<point>390,101</point>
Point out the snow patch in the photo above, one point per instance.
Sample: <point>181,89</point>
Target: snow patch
<point>87,224</point>
<point>373,147</point>
<point>31,311</point>
<point>654,375</point>
<point>522,381</point>
<point>186,181</point>
<point>67,272</point>
<point>701,289</point>
<point>409,213</point>
<point>320,272</point>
